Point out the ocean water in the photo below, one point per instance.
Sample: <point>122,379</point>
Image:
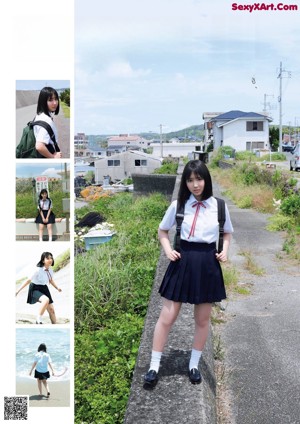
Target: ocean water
<point>57,342</point>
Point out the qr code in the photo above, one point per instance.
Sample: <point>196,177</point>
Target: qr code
<point>15,408</point>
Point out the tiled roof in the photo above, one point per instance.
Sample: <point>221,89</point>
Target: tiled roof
<point>235,114</point>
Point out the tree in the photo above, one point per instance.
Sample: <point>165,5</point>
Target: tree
<point>274,138</point>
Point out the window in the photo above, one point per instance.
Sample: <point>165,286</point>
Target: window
<point>140,162</point>
<point>254,126</point>
<point>113,163</point>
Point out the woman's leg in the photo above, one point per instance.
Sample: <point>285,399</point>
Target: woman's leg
<point>39,382</point>
<point>202,319</point>
<point>51,313</point>
<point>49,228</point>
<point>167,317</point>
<point>41,231</point>
<point>44,301</point>
<point>45,383</point>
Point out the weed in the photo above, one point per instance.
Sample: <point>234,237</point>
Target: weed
<point>250,264</point>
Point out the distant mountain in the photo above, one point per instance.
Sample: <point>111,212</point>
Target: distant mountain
<point>196,131</point>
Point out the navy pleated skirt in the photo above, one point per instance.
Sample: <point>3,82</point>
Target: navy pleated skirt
<point>51,219</point>
<point>196,277</point>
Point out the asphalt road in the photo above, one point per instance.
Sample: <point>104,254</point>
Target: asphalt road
<point>261,337</point>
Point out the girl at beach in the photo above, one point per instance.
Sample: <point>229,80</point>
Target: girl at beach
<point>45,215</point>
<point>194,274</point>
<point>38,287</point>
<point>47,107</point>
<point>41,362</point>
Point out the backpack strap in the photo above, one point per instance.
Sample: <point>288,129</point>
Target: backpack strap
<point>179,219</point>
<point>221,219</point>
<point>48,128</point>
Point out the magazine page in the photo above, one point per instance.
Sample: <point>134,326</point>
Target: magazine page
<point>110,78</point>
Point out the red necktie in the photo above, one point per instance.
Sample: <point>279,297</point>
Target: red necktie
<point>197,205</point>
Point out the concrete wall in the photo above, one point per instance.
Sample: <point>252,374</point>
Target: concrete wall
<point>150,183</point>
<point>174,399</point>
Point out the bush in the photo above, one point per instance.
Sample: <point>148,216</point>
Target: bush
<point>290,206</point>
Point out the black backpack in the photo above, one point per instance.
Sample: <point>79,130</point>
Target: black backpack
<point>221,219</point>
<point>26,147</point>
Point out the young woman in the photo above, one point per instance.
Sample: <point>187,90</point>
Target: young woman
<point>47,107</point>
<point>38,287</point>
<point>41,362</point>
<point>45,215</point>
<point>194,274</point>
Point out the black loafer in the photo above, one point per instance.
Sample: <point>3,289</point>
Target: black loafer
<point>151,378</point>
<point>195,376</point>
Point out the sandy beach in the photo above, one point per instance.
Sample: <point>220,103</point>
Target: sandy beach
<point>59,392</point>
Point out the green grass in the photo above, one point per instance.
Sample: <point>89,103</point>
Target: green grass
<point>112,291</point>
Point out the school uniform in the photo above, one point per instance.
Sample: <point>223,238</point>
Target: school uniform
<point>39,285</point>
<point>41,370</point>
<point>42,135</point>
<point>44,206</point>
<point>197,276</point>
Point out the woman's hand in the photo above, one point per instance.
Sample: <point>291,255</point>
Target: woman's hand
<point>57,155</point>
<point>173,255</point>
<point>222,256</point>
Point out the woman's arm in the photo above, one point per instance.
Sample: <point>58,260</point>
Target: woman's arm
<point>23,286</point>
<point>54,285</point>
<point>32,368</point>
<point>42,149</point>
<point>172,254</point>
<point>50,365</point>
<point>223,256</point>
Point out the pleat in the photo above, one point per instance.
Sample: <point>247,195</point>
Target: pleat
<point>196,277</point>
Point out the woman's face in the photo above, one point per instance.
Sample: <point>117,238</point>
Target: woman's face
<point>52,103</point>
<point>48,261</point>
<point>44,195</point>
<point>196,185</point>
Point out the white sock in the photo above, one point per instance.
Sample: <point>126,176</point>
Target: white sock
<point>41,239</point>
<point>50,238</point>
<point>195,358</point>
<point>155,360</point>
<point>39,318</point>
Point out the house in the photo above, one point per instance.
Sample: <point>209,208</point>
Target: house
<point>127,140</point>
<point>240,130</point>
<point>174,150</point>
<point>123,165</point>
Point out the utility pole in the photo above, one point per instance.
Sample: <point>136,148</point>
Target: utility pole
<point>161,143</point>
<point>280,76</point>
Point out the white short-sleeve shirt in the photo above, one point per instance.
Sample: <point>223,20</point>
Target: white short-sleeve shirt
<point>42,359</point>
<point>41,276</point>
<point>40,133</point>
<point>207,225</point>
<point>45,205</point>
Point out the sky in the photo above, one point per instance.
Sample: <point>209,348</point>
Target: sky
<point>139,65</point>
<point>39,84</point>
<point>25,170</point>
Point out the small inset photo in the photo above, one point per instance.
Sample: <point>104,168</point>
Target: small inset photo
<point>43,201</point>
<point>42,119</point>
<point>43,366</point>
<point>42,283</point>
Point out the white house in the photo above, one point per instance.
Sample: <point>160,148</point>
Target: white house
<point>123,165</point>
<point>241,130</point>
<point>127,140</point>
<point>174,150</point>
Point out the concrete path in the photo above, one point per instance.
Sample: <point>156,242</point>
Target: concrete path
<point>261,337</point>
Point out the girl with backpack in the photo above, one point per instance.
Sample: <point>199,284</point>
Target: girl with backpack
<point>38,287</point>
<point>40,366</point>
<point>194,274</point>
<point>47,107</point>
<point>45,215</point>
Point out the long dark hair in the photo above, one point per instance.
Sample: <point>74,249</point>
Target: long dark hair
<point>42,347</point>
<point>199,169</point>
<point>46,93</point>
<point>42,192</point>
<point>45,255</point>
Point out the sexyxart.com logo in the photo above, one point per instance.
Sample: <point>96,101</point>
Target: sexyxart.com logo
<point>264,7</point>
